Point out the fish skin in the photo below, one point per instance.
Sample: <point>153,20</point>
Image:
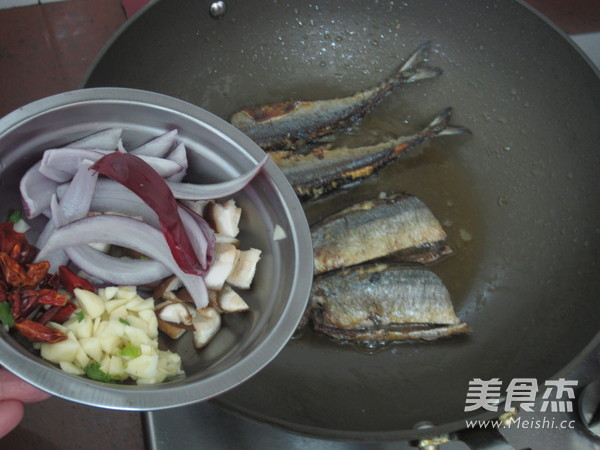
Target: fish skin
<point>424,254</point>
<point>284,125</point>
<point>323,170</point>
<point>383,302</point>
<point>376,228</point>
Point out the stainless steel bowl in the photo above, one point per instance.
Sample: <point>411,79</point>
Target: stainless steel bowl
<point>217,151</point>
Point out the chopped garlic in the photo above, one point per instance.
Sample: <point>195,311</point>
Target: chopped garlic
<point>119,332</point>
<point>279,233</point>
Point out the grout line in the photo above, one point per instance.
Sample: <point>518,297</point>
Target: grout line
<point>8,4</point>
<point>50,38</point>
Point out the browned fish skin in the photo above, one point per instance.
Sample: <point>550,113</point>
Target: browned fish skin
<point>424,254</point>
<point>324,170</point>
<point>375,228</point>
<point>383,302</point>
<point>284,125</point>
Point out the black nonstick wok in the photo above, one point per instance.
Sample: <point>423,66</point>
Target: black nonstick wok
<point>518,197</point>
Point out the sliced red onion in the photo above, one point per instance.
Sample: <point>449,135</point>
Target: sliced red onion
<point>36,191</point>
<point>179,155</point>
<point>121,147</point>
<point>57,259</point>
<point>117,271</point>
<point>57,219</point>
<point>190,191</point>
<point>111,196</point>
<point>197,206</point>
<point>102,140</point>
<point>158,146</point>
<point>201,235</point>
<point>135,174</point>
<point>76,201</point>
<point>124,232</point>
<point>61,164</point>
<point>75,204</point>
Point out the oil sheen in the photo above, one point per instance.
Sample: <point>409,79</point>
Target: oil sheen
<point>433,174</point>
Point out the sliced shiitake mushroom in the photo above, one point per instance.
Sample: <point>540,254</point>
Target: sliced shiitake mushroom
<point>207,322</point>
<point>227,300</point>
<point>226,256</point>
<point>224,218</point>
<point>243,273</point>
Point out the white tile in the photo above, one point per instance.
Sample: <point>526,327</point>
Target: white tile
<point>5,4</point>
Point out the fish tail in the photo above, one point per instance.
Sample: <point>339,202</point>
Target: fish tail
<point>415,69</point>
<point>440,126</point>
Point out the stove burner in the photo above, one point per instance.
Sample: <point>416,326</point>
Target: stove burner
<point>589,407</point>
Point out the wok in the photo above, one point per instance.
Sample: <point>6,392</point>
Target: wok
<point>518,197</point>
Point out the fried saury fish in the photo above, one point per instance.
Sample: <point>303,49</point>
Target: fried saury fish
<point>383,302</point>
<point>376,228</point>
<point>285,125</point>
<point>323,170</point>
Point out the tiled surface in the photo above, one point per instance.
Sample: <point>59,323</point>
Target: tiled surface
<point>572,16</point>
<point>6,4</point>
<point>56,424</point>
<point>46,49</point>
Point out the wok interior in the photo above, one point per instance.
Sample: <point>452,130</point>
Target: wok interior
<point>525,181</point>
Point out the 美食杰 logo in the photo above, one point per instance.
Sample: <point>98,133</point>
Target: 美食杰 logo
<point>520,395</point>
<point>557,395</point>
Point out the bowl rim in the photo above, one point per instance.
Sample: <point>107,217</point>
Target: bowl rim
<point>19,360</point>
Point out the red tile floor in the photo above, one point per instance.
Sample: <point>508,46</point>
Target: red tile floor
<point>47,48</point>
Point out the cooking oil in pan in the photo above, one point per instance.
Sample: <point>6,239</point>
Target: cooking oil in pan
<point>438,180</point>
<point>432,174</point>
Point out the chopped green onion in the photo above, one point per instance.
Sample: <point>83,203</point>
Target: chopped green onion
<point>79,315</point>
<point>93,371</point>
<point>124,321</point>
<point>14,215</point>
<point>6,316</point>
<point>130,351</point>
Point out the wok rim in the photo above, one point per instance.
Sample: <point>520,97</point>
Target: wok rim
<point>395,434</point>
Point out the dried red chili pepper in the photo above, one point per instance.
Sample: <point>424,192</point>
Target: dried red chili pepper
<point>36,272</point>
<point>48,315</point>
<point>13,272</point>
<point>50,281</point>
<point>12,294</point>
<point>27,302</point>
<point>14,298</point>
<point>70,281</point>
<point>51,297</point>
<point>36,332</point>
<point>9,237</point>
<point>23,253</point>
<point>3,291</point>
<point>58,314</point>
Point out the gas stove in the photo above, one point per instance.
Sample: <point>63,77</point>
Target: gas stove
<point>213,427</point>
